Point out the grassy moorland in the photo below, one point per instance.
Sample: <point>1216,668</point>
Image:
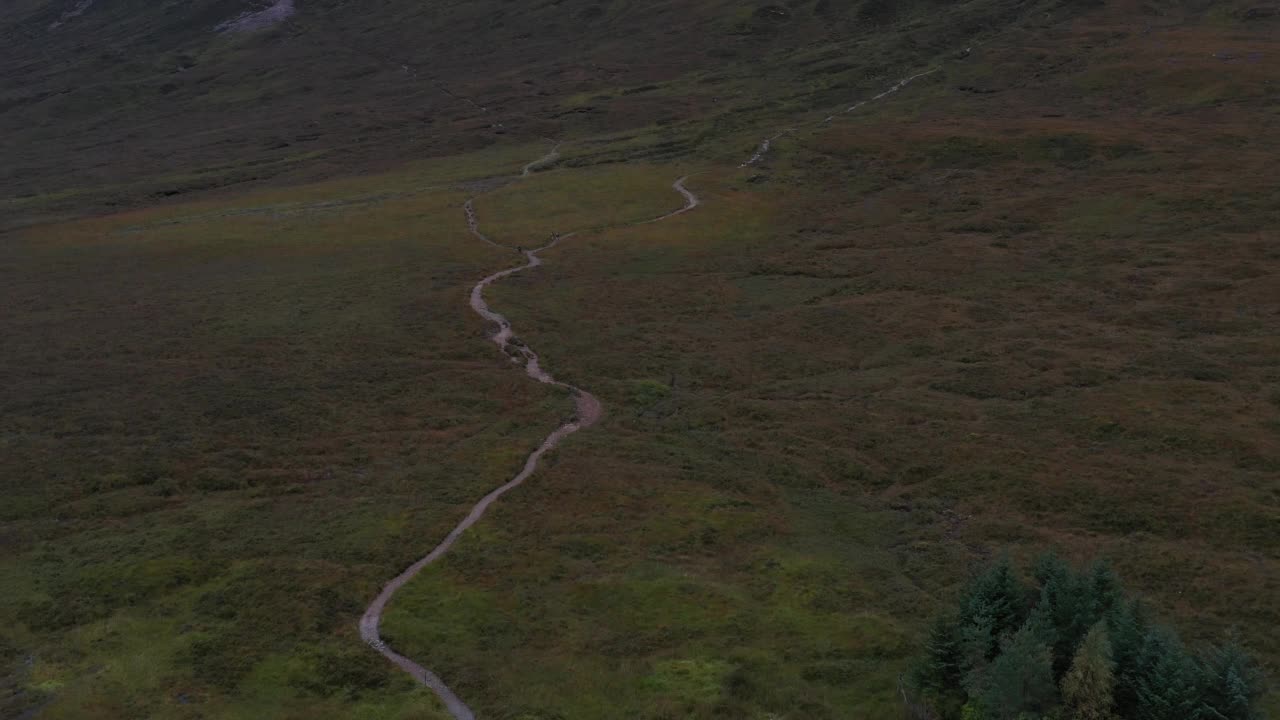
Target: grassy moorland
<point>1039,315</point>
<point>243,418</point>
<point>1028,302</point>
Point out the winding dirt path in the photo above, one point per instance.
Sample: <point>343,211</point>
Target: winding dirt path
<point>768,142</point>
<point>764,148</point>
<point>473,224</point>
<point>691,201</point>
<point>588,409</point>
<point>588,412</point>
<point>542,161</point>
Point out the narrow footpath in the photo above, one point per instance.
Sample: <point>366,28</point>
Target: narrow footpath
<point>588,411</point>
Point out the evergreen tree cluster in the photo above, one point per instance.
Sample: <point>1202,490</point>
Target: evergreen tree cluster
<point>1073,646</point>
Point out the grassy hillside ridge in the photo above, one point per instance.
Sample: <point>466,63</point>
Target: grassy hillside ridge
<point>132,101</point>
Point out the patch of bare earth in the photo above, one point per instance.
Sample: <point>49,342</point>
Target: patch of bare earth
<point>273,14</point>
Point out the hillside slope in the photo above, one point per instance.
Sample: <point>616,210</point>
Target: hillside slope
<point>129,101</point>
<point>1025,302</point>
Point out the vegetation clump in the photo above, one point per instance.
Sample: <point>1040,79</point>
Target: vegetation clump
<point>1073,646</point>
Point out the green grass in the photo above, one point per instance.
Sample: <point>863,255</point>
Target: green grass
<point>187,475</point>
<point>950,324</point>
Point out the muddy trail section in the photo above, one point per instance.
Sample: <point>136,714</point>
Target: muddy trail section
<point>588,411</point>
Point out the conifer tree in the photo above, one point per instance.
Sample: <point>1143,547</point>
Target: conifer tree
<point>1049,567</point>
<point>1064,600</point>
<point>1040,624</point>
<point>998,594</point>
<point>979,647</point>
<point>1167,679</point>
<point>1088,685</point>
<point>1104,589</point>
<point>1001,657</point>
<point>941,670</point>
<point>1127,629</point>
<point>1020,681</point>
<point>1230,685</point>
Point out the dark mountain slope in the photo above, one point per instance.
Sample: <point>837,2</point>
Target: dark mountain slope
<point>122,92</point>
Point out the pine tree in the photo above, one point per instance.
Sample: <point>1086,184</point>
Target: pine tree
<point>1002,658</point>
<point>999,594</point>
<point>1127,630</point>
<point>991,608</point>
<point>1020,681</point>
<point>1067,606</point>
<point>1088,686</point>
<point>1104,589</point>
<point>941,670</point>
<point>1167,681</point>
<point>1066,600</point>
<point>1040,624</point>
<point>1048,568</point>
<point>1230,685</point>
<point>979,646</point>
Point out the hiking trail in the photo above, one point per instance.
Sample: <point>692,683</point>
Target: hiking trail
<point>588,411</point>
